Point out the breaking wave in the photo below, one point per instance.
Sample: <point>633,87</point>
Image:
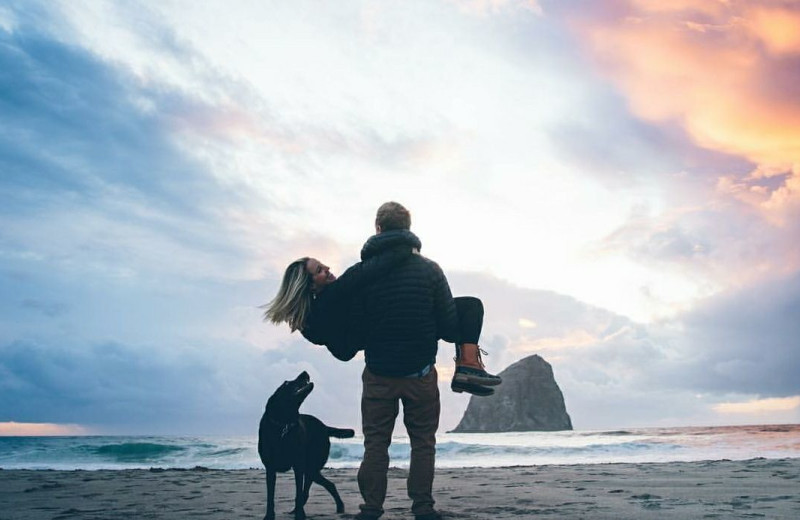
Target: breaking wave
<point>453,449</point>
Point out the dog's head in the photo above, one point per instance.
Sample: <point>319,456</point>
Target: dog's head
<point>290,395</point>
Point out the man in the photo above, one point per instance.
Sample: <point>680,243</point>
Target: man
<point>406,313</point>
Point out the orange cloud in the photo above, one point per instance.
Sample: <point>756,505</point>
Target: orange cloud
<point>40,429</point>
<point>727,71</point>
<point>777,404</point>
<point>578,338</point>
<point>777,28</point>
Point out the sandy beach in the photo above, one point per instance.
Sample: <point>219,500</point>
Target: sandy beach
<point>759,488</point>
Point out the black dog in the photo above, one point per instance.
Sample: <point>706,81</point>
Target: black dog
<point>288,439</point>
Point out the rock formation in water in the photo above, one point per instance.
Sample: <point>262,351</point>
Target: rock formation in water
<point>528,400</point>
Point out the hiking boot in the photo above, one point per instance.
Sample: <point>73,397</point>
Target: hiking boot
<point>470,368</point>
<point>480,391</point>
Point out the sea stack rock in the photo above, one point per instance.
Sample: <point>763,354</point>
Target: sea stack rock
<point>528,400</point>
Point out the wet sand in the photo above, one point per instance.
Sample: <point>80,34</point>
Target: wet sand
<point>758,488</point>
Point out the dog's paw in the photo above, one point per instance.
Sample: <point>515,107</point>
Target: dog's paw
<point>340,509</point>
<point>299,515</point>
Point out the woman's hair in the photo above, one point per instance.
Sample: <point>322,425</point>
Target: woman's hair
<point>292,304</point>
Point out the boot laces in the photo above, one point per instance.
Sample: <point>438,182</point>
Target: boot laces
<point>480,360</point>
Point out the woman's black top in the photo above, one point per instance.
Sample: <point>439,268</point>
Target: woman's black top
<point>336,319</point>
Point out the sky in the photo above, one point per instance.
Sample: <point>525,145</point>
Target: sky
<point>618,181</point>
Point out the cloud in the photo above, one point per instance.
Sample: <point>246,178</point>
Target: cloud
<point>780,404</point>
<point>603,139</point>
<point>725,71</point>
<point>159,173</point>
<point>486,7</point>
<point>213,388</point>
<point>708,242</point>
<point>298,162</point>
<point>598,356</point>
<point>774,191</point>
<point>49,309</point>
<point>614,371</point>
<point>40,429</point>
<point>112,193</point>
<point>214,376</point>
<point>744,341</point>
<point>118,250</point>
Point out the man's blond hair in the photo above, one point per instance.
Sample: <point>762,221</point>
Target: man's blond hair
<point>393,215</point>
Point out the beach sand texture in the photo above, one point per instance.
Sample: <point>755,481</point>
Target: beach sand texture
<point>758,488</point>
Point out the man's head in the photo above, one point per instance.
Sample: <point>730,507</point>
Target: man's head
<point>392,215</point>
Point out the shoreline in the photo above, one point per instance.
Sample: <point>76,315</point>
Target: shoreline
<point>761,488</point>
<point>655,445</point>
<point>326,469</point>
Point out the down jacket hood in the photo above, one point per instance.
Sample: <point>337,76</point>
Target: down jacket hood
<point>388,240</point>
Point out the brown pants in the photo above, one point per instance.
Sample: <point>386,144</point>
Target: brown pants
<point>379,407</point>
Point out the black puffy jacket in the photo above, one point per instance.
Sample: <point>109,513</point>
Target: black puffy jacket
<point>336,318</point>
<point>406,312</point>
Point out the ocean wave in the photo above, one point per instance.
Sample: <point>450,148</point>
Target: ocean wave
<point>227,452</point>
<point>453,450</point>
<point>615,433</point>
<point>784,428</point>
<point>135,451</point>
<point>458,450</point>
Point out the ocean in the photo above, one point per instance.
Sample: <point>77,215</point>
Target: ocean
<point>453,450</point>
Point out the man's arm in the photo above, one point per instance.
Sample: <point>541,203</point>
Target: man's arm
<point>365,272</point>
<point>444,306</point>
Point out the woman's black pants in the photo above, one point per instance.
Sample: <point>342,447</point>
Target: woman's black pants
<point>470,319</point>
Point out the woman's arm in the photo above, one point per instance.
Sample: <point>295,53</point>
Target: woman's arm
<point>343,351</point>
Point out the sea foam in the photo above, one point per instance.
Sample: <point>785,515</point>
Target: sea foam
<point>453,450</point>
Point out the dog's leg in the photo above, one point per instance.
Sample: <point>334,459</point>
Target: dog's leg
<point>299,501</point>
<point>331,488</point>
<point>307,481</point>
<point>270,495</point>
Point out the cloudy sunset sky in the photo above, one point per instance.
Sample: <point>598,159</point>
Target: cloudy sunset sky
<point>618,180</point>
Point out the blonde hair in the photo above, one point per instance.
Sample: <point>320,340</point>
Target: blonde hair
<point>292,304</point>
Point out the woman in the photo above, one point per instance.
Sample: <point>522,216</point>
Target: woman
<point>322,307</point>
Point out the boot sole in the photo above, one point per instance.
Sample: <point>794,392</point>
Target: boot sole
<point>479,391</point>
<point>477,380</point>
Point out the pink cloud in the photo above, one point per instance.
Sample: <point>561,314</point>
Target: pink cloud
<point>755,406</point>
<point>727,72</point>
<point>40,429</point>
<point>779,205</point>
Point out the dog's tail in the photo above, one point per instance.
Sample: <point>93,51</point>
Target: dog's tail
<point>340,433</point>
